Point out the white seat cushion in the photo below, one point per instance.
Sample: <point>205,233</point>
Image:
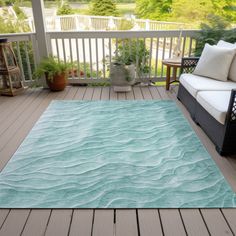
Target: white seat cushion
<point>215,103</point>
<point>194,83</point>
<point>215,62</point>
<point>232,70</point>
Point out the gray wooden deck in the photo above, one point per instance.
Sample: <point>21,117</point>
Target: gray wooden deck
<point>17,117</point>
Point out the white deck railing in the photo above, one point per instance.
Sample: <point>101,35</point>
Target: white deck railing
<point>25,47</point>
<point>87,22</point>
<point>91,52</point>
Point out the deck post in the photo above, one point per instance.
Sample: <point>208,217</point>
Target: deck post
<point>40,29</point>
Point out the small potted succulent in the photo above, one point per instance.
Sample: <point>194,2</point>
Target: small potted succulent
<point>55,71</point>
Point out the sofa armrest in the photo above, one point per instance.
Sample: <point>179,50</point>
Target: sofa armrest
<point>231,114</point>
<point>188,64</point>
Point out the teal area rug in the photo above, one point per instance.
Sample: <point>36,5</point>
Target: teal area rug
<point>113,154</point>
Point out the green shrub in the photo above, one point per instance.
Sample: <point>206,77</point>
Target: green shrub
<point>20,14</point>
<point>64,9</point>
<point>103,8</point>
<point>133,51</point>
<point>212,32</point>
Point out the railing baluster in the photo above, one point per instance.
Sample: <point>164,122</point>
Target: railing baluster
<point>163,54</point>
<point>150,59</point>
<point>104,58</point>
<point>110,52</point>
<point>183,50</point>
<point>97,66</point>
<point>157,55</point>
<point>20,60</point>
<point>71,54</point>
<point>64,51</point>
<point>77,56</point>
<point>84,58</point>
<point>90,59</point>
<point>116,46</point>
<point>137,58</point>
<point>27,62</point>
<point>190,47</point>
<point>170,51</point>
<point>57,48</point>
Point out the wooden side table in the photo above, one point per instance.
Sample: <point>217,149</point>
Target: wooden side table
<point>171,64</point>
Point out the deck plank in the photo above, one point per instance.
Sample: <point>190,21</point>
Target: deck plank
<point>163,93</point>
<point>12,104</point>
<point>88,93</point>
<point>16,120</point>
<point>17,112</point>
<point>59,222</point>
<point>103,223</point>
<point>81,223</point>
<point>130,95</point>
<point>97,93</point>
<point>146,93</point>
<point>3,216</point>
<point>193,222</point>
<point>105,93</point>
<point>72,93</point>
<point>37,222</point>
<point>15,222</point>
<point>113,94</point>
<point>121,96</point>
<point>126,223</point>
<point>80,93</point>
<point>216,223</point>
<point>22,129</point>
<point>171,222</point>
<point>149,222</point>
<point>230,215</point>
<point>137,93</point>
<point>154,92</point>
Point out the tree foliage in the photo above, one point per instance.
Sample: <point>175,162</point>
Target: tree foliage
<point>103,8</point>
<point>212,32</point>
<point>64,9</point>
<point>186,10</point>
<point>153,9</point>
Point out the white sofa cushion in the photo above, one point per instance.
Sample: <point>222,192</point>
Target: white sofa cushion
<point>215,103</point>
<point>215,62</point>
<point>232,69</point>
<point>194,83</point>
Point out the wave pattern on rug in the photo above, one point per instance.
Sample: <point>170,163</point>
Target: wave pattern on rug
<point>113,154</point>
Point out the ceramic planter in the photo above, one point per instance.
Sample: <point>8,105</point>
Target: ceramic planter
<point>122,77</point>
<point>58,83</point>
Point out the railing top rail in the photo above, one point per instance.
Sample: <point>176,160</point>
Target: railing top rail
<point>18,36</point>
<point>121,34</point>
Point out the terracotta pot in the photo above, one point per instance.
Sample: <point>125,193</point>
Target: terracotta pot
<point>58,83</point>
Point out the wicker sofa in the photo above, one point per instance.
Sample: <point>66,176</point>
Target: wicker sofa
<point>211,104</point>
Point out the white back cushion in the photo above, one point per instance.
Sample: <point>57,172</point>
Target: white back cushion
<point>215,62</point>
<point>232,70</point>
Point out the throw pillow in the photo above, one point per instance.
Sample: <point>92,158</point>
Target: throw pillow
<point>232,70</point>
<point>215,62</point>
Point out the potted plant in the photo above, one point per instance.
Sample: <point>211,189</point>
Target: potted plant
<point>55,71</point>
<point>131,57</point>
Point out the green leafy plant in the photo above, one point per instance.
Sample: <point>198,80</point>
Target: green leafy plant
<point>51,66</point>
<point>133,52</point>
